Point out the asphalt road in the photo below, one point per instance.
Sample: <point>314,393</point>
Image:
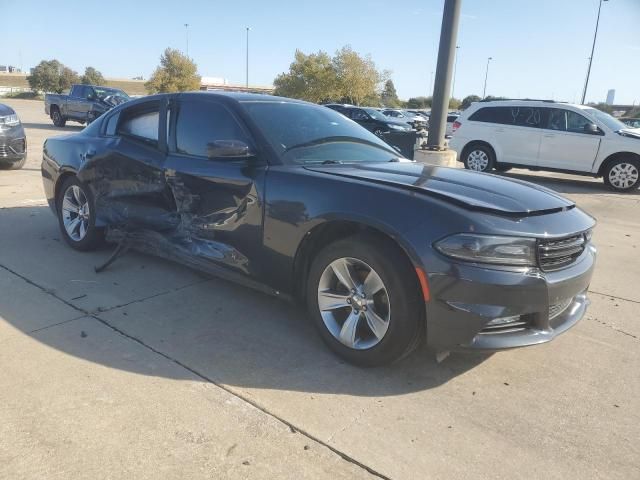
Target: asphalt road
<point>150,370</point>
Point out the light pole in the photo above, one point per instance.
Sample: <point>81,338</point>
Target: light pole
<point>486,75</point>
<point>247,64</point>
<point>593,47</point>
<point>186,29</point>
<point>431,86</point>
<point>455,70</point>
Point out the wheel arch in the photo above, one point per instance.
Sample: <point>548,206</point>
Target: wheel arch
<point>613,157</point>
<point>336,229</point>
<point>60,181</point>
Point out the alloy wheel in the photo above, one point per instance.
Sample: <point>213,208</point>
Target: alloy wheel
<point>623,175</point>
<point>478,160</point>
<point>354,303</point>
<point>75,213</point>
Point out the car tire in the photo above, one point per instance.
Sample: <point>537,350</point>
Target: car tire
<point>58,119</point>
<point>479,158</point>
<point>622,174</point>
<point>76,212</point>
<point>379,321</point>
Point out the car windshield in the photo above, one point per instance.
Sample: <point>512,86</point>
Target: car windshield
<point>303,134</point>
<point>612,123</point>
<point>375,114</point>
<point>103,92</point>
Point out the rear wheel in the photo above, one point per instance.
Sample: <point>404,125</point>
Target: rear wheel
<point>58,119</point>
<point>365,302</point>
<point>479,158</point>
<point>77,215</point>
<point>623,174</point>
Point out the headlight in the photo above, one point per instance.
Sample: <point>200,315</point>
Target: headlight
<point>489,249</point>
<point>9,120</point>
<point>399,127</point>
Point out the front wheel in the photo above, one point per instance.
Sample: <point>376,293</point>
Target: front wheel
<point>58,119</point>
<point>623,175</point>
<point>479,158</point>
<point>77,216</point>
<point>364,298</point>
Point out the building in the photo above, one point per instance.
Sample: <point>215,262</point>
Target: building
<point>611,94</point>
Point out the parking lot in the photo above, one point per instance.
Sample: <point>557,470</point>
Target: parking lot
<point>151,370</point>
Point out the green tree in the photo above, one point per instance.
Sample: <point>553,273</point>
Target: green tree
<point>419,102</point>
<point>310,77</point>
<point>92,77</point>
<point>358,78</point>
<point>176,73</point>
<point>389,96</point>
<point>52,76</point>
<point>454,103</point>
<point>468,100</point>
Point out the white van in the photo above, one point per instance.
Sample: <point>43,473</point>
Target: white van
<point>547,135</point>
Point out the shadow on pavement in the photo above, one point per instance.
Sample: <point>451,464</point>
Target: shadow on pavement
<point>226,333</point>
<point>578,184</point>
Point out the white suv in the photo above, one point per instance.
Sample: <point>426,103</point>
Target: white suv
<point>546,135</point>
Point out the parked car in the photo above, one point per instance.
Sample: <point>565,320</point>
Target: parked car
<point>546,135</point>
<point>630,122</point>
<point>416,121</point>
<point>297,201</point>
<point>84,103</point>
<point>451,119</point>
<point>371,119</point>
<point>13,141</point>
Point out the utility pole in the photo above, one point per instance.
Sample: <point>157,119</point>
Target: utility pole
<point>486,75</point>
<point>247,63</point>
<point>442,86</point>
<point>593,47</point>
<point>186,29</point>
<point>455,70</point>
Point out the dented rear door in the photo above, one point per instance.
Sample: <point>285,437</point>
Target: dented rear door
<point>219,201</point>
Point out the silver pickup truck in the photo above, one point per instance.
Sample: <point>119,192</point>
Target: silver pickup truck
<point>84,103</point>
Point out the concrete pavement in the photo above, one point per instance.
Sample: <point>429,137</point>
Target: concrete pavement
<point>150,370</point>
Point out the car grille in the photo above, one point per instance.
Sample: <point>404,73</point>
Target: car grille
<point>5,150</point>
<point>16,147</point>
<point>556,254</point>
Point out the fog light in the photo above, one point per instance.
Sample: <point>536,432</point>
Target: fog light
<point>503,320</point>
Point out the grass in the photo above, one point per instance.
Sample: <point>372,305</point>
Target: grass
<point>131,87</point>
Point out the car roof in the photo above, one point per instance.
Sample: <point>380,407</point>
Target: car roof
<point>527,103</point>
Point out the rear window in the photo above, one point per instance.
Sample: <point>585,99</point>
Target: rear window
<point>520,116</point>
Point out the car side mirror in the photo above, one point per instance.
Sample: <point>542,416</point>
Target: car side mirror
<point>228,149</point>
<point>591,128</point>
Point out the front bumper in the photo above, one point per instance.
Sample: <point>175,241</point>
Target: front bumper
<point>12,149</point>
<point>542,304</point>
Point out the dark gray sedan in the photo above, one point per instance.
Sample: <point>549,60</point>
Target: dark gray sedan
<point>300,202</point>
<point>13,141</point>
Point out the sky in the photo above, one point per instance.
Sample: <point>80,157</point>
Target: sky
<point>540,48</point>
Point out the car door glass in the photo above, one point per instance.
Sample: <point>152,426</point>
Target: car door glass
<point>576,123</point>
<point>359,115</point>
<point>141,124</point>
<point>200,124</point>
<point>525,116</point>
<point>566,121</point>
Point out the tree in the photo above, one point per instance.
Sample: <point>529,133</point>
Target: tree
<point>92,77</point>
<point>468,100</point>
<point>419,102</point>
<point>176,73</point>
<point>454,103</point>
<point>389,96</point>
<point>52,76</point>
<point>358,78</point>
<point>310,77</point>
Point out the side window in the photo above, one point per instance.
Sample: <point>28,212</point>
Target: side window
<point>358,114</point>
<point>566,121</point>
<point>199,124</point>
<point>140,123</point>
<point>491,115</point>
<point>526,116</point>
<point>77,91</point>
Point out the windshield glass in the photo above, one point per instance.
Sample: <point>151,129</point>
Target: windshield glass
<point>375,114</point>
<point>612,123</point>
<point>304,134</point>
<point>103,92</point>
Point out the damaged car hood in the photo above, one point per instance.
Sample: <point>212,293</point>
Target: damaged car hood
<point>494,194</point>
